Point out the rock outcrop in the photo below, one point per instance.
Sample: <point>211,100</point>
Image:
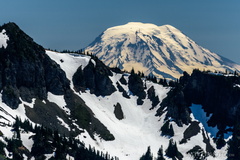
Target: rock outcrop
<point>95,76</point>
<point>26,71</point>
<point>136,86</point>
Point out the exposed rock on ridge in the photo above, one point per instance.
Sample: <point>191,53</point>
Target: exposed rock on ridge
<point>95,76</point>
<point>26,71</point>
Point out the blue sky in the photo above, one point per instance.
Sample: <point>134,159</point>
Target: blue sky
<point>73,24</point>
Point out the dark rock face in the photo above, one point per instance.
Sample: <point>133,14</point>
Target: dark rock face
<point>176,107</point>
<point>26,71</point>
<point>47,113</point>
<point>85,117</point>
<point>216,94</point>
<point>135,85</point>
<point>79,80</point>
<point>96,78</point>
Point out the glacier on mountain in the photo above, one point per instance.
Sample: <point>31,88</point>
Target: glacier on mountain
<point>163,51</point>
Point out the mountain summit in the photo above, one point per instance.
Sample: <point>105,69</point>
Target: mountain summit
<point>158,50</point>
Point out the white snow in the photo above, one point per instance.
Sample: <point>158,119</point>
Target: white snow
<point>69,62</point>
<point>31,105</point>
<point>150,48</point>
<point>3,39</point>
<point>63,123</point>
<point>8,117</point>
<point>236,85</point>
<point>139,128</point>
<point>26,140</point>
<point>59,100</point>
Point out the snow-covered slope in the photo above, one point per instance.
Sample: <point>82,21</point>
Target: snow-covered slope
<point>139,128</point>
<point>163,51</point>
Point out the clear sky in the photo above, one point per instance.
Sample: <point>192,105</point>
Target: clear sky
<point>73,24</point>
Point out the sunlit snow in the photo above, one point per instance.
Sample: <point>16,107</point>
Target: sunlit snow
<point>159,49</point>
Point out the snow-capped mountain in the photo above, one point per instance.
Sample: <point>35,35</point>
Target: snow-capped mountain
<point>163,51</point>
<point>114,112</point>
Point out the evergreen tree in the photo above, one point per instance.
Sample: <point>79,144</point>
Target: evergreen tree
<point>172,83</point>
<point>165,82</point>
<point>197,153</point>
<point>154,79</point>
<point>2,146</point>
<point>148,155</point>
<point>167,129</point>
<point>160,154</point>
<point>16,127</point>
<point>132,71</point>
<point>172,150</point>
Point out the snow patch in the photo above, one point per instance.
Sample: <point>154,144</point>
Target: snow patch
<point>69,62</point>
<point>31,105</point>
<point>59,100</point>
<point>26,140</point>
<point>236,85</point>
<point>3,39</point>
<point>94,63</point>
<point>63,123</point>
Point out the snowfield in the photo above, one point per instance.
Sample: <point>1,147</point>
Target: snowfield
<point>138,129</point>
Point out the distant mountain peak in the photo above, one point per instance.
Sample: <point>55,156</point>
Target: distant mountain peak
<point>163,51</point>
